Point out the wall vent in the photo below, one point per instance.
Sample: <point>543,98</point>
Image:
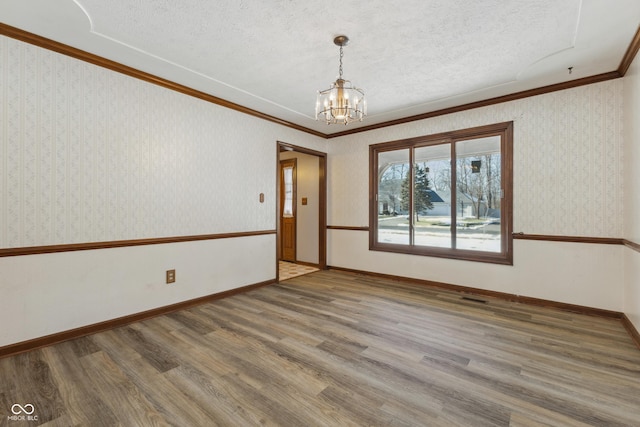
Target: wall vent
<point>474,300</point>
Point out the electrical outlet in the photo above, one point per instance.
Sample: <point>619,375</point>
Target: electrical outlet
<point>171,276</point>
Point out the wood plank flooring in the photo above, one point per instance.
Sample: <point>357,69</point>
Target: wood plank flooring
<point>336,349</point>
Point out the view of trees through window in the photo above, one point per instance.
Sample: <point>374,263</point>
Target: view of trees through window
<point>446,193</point>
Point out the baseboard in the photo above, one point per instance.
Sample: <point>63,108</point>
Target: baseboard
<point>635,335</point>
<point>494,294</point>
<point>33,344</point>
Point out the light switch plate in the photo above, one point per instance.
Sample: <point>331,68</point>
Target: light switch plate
<point>171,276</point>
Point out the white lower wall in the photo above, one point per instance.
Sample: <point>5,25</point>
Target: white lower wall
<point>49,293</point>
<point>632,286</point>
<point>575,273</point>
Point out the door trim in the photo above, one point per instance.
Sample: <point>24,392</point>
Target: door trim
<point>322,222</point>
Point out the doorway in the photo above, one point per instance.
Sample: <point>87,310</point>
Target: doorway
<point>301,209</point>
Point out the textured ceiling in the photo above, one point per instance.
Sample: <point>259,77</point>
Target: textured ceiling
<point>409,56</point>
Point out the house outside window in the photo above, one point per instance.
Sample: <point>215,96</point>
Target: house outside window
<point>445,195</point>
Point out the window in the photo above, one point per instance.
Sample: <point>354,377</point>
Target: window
<point>445,195</point>
<point>287,209</point>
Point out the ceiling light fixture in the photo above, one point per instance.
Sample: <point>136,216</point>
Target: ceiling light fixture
<point>342,102</point>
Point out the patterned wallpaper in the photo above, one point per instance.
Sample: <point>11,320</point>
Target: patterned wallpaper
<point>568,168</point>
<point>87,155</point>
<point>632,156</point>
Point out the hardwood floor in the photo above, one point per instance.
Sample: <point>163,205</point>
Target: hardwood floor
<point>336,349</point>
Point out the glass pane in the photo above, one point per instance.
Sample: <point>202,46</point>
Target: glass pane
<point>287,209</point>
<point>393,205</point>
<point>432,196</point>
<point>478,194</point>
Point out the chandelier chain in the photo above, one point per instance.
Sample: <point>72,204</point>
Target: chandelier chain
<point>341,55</point>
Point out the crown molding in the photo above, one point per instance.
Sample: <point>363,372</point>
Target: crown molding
<point>64,49</point>
<point>484,103</point>
<point>627,59</point>
<point>67,50</point>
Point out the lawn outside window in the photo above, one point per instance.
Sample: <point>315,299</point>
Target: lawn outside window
<point>445,195</point>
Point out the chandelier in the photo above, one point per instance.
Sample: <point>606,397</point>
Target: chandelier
<point>342,102</point>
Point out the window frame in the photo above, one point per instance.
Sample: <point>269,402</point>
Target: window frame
<point>505,131</point>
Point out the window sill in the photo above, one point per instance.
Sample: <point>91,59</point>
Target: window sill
<point>455,254</point>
